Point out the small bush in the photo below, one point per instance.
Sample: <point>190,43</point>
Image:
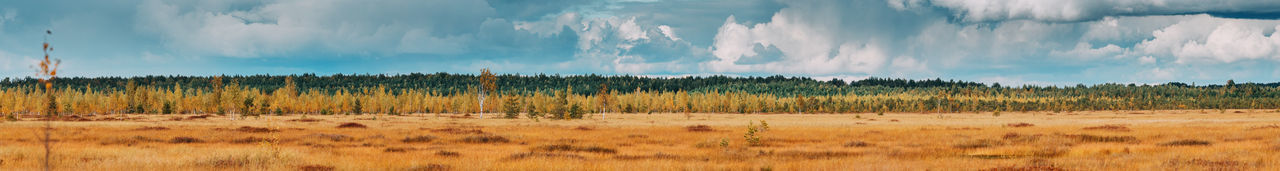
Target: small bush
<point>183,140</point>
<point>575,111</point>
<point>447,153</point>
<point>431,167</point>
<point>315,168</point>
<point>1187,142</point>
<point>857,144</point>
<point>571,148</point>
<point>151,128</point>
<point>333,137</point>
<point>250,140</point>
<point>1095,138</point>
<point>699,128</point>
<point>418,139</point>
<point>352,125</point>
<point>1019,125</point>
<point>398,149</point>
<point>485,139</point>
<point>255,129</point>
<point>1120,128</point>
<point>981,143</point>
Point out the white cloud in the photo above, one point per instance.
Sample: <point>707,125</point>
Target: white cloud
<point>666,30</point>
<point>1146,60</point>
<point>1084,50</point>
<point>1081,10</point>
<point>1205,38</point>
<point>630,31</point>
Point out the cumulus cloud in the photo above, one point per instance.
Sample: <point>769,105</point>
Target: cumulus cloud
<point>1205,38</point>
<point>1086,10</point>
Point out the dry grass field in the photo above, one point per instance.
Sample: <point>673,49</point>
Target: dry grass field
<point>1129,140</point>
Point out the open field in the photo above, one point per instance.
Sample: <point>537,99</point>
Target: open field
<point>1103,140</point>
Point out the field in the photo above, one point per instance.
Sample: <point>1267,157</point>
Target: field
<point>1099,140</point>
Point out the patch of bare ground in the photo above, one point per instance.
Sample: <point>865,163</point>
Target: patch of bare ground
<point>699,128</point>
<point>1117,128</point>
<point>352,125</point>
<point>584,128</point>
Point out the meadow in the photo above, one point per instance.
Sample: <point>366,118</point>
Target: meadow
<point>1081,140</point>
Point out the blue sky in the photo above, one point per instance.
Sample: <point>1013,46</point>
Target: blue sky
<point>1007,41</point>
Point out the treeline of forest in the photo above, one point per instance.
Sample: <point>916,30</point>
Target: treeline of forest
<point>562,95</point>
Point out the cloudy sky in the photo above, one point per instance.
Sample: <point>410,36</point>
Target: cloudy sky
<point>1008,41</point>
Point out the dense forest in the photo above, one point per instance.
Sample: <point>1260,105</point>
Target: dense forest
<point>555,94</point>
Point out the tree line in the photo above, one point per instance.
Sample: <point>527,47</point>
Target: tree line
<point>564,96</point>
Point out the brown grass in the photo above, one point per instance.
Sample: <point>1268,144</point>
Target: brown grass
<point>1157,140</point>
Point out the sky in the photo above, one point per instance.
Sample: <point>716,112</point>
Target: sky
<point>1012,42</point>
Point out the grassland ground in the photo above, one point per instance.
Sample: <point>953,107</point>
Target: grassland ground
<point>1096,140</point>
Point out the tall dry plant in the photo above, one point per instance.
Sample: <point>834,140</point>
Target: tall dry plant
<point>486,86</point>
<point>45,73</point>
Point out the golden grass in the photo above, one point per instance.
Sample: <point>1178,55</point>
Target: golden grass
<point>1162,140</point>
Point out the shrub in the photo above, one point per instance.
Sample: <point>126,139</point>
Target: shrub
<point>857,144</point>
<point>532,112</point>
<point>699,128</point>
<point>352,125</point>
<point>511,108</point>
<point>179,140</point>
<point>575,111</point>
<point>447,153</point>
<point>167,109</point>
<point>1019,125</point>
<point>751,137</point>
<point>1187,142</point>
<point>485,139</point>
<point>418,139</point>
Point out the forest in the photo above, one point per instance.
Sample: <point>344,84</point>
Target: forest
<point>563,96</point>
